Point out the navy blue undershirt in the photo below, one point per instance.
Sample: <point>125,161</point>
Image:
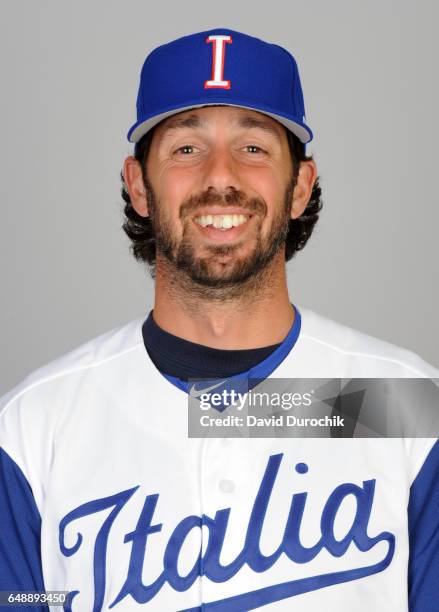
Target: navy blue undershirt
<point>184,359</point>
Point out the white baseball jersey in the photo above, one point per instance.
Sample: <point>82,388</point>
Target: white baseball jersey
<point>129,513</point>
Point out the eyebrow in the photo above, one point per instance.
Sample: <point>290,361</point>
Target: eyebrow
<point>252,122</point>
<point>176,123</point>
<point>194,121</point>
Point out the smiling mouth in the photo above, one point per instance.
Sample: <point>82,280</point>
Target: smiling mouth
<point>222,222</point>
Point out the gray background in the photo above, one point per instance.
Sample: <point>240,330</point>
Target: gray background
<point>69,81</point>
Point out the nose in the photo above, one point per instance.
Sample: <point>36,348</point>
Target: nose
<point>221,172</point>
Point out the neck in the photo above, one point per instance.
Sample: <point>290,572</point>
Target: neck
<point>254,314</point>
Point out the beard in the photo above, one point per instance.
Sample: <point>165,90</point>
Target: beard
<point>207,269</point>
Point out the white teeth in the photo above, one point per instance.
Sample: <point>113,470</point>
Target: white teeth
<point>228,222</point>
<point>221,221</point>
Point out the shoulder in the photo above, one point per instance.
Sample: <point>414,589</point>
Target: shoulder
<point>33,412</point>
<point>326,338</point>
<point>83,362</point>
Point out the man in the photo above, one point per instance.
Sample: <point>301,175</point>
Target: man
<point>104,495</point>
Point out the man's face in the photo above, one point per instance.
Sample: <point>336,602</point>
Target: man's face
<point>220,192</point>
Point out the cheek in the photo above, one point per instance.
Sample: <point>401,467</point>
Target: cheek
<point>270,187</point>
<point>172,190</point>
<point>170,184</point>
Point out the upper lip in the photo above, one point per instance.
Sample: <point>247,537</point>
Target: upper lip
<point>221,210</point>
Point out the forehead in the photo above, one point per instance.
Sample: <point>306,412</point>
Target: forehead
<point>231,117</point>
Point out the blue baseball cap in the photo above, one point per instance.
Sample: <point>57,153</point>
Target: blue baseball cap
<point>220,66</point>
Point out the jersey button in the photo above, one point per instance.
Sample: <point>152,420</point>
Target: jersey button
<point>226,486</point>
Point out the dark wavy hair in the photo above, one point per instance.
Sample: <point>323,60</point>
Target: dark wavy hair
<point>139,229</point>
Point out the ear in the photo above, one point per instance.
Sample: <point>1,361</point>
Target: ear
<point>302,192</point>
<point>132,174</point>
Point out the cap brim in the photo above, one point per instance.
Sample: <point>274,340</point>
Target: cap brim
<point>139,129</point>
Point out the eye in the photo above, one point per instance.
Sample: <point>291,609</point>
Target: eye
<point>186,150</point>
<point>254,149</point>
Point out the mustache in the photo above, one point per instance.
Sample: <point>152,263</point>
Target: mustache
<point>228,199</point>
